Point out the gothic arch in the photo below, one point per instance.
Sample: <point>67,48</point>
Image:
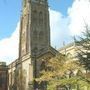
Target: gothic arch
<point>40,18</point>
<point>35,34</point>
<point>34,17</point>
<point>41,36</point>
<point>42,66</point>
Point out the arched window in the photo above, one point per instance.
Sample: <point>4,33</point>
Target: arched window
<point>40,18</point>
<point>34,16</point>
<point>41,35</point>
<point>34,34</point>
<point>42,67</point>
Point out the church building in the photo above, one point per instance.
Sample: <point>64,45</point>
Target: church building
<point>34,47</point>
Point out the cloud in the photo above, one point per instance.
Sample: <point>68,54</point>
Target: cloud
<point>79,14</point>
<point>59,28</point>
<point>9,47</point>
<point>62,28</point>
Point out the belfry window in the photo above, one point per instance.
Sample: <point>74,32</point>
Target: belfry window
<point>35,35</point>
<point>40,18</point>
<point>41,35</point>
<point>34,15</point>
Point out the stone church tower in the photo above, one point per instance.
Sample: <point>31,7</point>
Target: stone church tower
<point>35,30</point>
<point>34,46</point>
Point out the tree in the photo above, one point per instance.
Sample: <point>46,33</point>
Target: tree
<point>83,48</point>
<point>60,71</point>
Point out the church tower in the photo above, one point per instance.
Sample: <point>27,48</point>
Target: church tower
<point>34,46</point>
<point>34,29</point>
<point>34,38</point>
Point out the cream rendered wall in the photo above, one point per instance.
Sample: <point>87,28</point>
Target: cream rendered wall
<point>69,50</point>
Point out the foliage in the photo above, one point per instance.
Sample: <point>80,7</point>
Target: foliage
<point>84,51</point>
<point>61,71</point>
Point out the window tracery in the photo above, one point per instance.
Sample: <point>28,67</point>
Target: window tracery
<point>40,18</point>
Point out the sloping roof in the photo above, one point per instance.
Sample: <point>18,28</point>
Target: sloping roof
<point>66,46</point>
<point>48,50</point>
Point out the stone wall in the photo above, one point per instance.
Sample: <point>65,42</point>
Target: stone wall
<point>3,76</point>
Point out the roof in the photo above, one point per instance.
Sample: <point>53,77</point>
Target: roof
<point>67,46</point>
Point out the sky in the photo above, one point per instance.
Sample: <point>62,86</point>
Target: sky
<point>67,19</point>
